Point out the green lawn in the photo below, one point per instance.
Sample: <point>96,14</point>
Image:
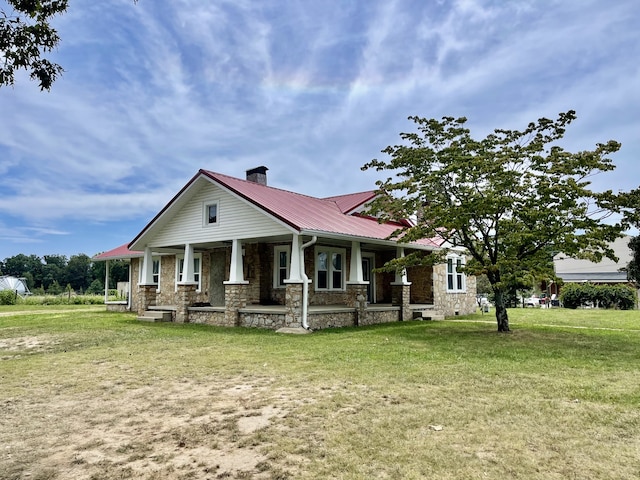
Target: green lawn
<point>96,395</point>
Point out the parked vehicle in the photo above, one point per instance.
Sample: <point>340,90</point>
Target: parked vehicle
<point>533,301</point>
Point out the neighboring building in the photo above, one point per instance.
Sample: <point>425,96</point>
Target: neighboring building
<point>574,270</point>
<point>227,251</point>
<point>14,284</point>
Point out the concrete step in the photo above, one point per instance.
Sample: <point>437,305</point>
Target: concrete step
<point>155,316</point>
<point>428,315</point>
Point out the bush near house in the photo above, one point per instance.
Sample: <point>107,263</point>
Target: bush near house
<point>574,295</point>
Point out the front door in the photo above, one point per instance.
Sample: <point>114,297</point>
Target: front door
<point>367,276</point>
<point>218,276</point>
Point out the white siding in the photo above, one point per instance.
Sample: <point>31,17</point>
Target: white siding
<point>236,219</point>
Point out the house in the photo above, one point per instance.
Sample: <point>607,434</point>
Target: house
<point>573,270</point>
<point>236,252</point>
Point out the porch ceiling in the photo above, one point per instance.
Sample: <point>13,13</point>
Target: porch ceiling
<point>346,243</point>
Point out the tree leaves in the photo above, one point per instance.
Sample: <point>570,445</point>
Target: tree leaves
<point>512,199</point>
<point>25,36</point>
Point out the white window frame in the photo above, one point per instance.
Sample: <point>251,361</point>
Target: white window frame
<point>205,213</point>
<point>456,281</point>
<point>197,273</point>
<point>330,251</point>
<point>277,250</point>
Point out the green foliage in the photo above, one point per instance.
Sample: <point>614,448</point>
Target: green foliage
<point>49,273</point>
<point>574,295</point>
<point>8,297</point>
<point>63,299</point>
<point>25,36</point>
<point>512,199</point>
<point>96,287</point>
<point>54,288</point>
<point>633,269</point>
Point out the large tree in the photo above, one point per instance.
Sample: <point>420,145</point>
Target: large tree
<point>26,35</point>
<point>633,269</point>
<point>511,199</point>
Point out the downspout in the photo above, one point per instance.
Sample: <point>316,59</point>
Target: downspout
<point>305,283</point>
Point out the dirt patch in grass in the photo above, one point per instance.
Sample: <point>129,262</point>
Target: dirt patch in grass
<point>184,430</point>
<point>29,344</point>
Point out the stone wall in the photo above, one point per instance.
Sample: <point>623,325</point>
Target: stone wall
<point>272,321</point>
<point>421,280</point>
<point>454,303</point>
<point>374,316</point>
<point>207,316</point>
<point>338,318</point>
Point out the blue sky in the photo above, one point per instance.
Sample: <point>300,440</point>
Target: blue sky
<point>156,90</point>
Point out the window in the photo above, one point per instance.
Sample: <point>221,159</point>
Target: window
<point>156,273</point>
<point>210,213</point>
<point>196,268</point>
<point>456,280</point>
<point>329,269</point>
<point>281,265</point>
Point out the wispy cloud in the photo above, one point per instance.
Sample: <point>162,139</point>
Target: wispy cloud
<point>154,91</point>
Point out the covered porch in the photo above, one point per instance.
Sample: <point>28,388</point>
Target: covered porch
<point>273,284</point>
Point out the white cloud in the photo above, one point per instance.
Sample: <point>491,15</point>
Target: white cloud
<point>153,91</point>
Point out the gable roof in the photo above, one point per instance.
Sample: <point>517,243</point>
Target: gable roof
<point>310,214</point>
<point>348,203</point>
<point>302,213</point>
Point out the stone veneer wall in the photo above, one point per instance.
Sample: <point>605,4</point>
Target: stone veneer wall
<point>421,280</point>
<point>374,317</point>
<point>208,317</point>
<point>463,303</point>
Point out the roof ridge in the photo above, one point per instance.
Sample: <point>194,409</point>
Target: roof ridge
<point>347,194</point>
<point>327,199</point>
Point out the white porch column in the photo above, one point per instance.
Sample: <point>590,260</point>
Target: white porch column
<point>106,282</point>
<point>187,269</point>
<point>236,271</point>
<point>147,267</point>
<point>295,266</point>
<point>401,276</point>
<point>355,272</point>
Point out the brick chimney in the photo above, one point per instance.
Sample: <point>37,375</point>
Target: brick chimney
<point>258,175</point>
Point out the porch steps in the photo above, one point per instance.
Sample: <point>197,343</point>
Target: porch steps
<point>428,315</point>
<point>155,316</point>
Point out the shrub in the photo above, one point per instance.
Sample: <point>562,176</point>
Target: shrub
<point>64,299</point>
<point>574,295</point>
<point>8,297</point>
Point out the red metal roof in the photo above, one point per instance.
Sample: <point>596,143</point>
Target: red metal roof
<point>351,201</point>
<point>310,214</point>
<point>120,252</point>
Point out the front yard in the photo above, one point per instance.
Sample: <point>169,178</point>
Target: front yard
<point>88,394</point>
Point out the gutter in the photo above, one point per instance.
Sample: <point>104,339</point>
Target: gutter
<point>305,284</point>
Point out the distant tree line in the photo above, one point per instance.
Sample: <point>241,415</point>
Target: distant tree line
<point>54,274</point>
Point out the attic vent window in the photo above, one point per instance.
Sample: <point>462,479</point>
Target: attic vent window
<point>211,213</point>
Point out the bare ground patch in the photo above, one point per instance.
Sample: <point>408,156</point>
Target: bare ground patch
<point>179,430</point>
<point>27,344</point>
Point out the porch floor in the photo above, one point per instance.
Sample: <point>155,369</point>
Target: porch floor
<point>313,309</point>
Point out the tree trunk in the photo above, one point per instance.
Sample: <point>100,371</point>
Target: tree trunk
<point>501,311</point>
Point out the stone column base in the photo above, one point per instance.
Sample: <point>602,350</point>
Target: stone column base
<point>357,298</point>
<point>185,297</point>
<point>235,298</point>
<point>293,304</point>
<point>401,296</point>
<point>147,294</point>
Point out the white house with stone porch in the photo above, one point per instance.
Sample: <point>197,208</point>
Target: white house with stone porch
<point>236,252</point>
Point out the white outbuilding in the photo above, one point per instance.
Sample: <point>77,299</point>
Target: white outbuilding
<point>18,285</point>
